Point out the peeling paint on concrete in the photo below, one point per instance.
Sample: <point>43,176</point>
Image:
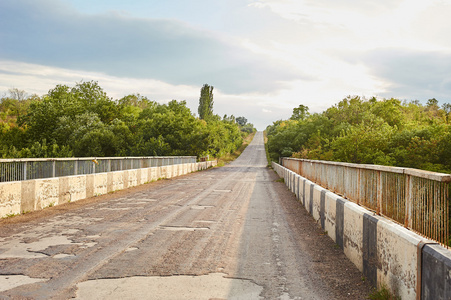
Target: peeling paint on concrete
<point>10,195</point>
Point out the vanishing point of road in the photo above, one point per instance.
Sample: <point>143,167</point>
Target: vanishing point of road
<point>233,232</point>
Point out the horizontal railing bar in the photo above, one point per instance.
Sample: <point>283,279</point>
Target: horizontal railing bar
<point>9,160</point>
<point>442,177</point>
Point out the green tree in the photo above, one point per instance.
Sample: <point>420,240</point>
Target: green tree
<point>205,109</point>
<point>447,109</point>
<point>387,132</point>
<point>242,121</point>
<point>300,112</point>
<point>83,121</point>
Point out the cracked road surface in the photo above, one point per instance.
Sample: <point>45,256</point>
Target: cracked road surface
<point>226,233</point>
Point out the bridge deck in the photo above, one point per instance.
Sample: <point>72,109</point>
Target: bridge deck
<point>226,233</point>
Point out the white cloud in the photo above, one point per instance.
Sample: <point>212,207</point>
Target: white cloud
<point>167,50</point>
<point>39,79</point>
<point>263,57</point>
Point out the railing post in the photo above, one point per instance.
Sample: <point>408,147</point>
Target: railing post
<point>359,187</point>
<point>408,214</point>
<point>379,193</point>
<point>25,170</point>
<point>53,168</point>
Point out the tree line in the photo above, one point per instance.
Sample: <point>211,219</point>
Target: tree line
<point>82,121</point>
<point>368,131</point>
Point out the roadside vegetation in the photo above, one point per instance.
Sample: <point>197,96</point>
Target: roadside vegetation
<point>382,294</point>
<point>368,131</point>
<point>268,157</point>
<point>82,121</point>
<point>229,157</point>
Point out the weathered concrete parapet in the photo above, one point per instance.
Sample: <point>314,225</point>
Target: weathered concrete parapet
<point>100,184</point>
<point>10,198</point>
<point>143,176</point>
<point>27,196</point>
<point>24,196</point>
<point>397,254</point>
<point>436,272</point>
<point>47,193</point>
<point>72,188</point>
<point>385,252</point>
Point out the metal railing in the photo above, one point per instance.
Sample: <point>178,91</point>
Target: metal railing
<point>417,199</point>
<point>36,168</point>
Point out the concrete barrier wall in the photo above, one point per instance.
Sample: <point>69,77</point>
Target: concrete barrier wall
<point>24,196</point>
<point>388,254</point>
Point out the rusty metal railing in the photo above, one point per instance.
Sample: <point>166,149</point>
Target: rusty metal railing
<point>417,199</point>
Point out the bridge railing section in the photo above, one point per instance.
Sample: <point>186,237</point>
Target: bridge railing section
<point>36,168</point>
<point>417,199</point>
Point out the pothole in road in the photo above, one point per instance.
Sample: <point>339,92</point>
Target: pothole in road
<point>140,202</point>
<point>18,249</point>
<point>63,255</point>
<point>205,221</point>
<point>8,282</point>
<point>211,286</point>
<point>201,206</point>
<point>131,249</point>
<point>183,228</point>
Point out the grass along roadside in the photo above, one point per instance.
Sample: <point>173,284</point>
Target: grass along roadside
<point>232,156</point>
<point>265,140</point>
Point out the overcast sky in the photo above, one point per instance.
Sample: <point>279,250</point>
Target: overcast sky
<point>263,57</point>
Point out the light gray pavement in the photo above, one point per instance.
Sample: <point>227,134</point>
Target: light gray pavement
<point>225,233</point>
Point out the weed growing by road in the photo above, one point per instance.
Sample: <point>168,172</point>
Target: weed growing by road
<point>383,294</point>
<point>10,215</point>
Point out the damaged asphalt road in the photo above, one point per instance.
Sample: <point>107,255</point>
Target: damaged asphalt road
<point>226,233</point>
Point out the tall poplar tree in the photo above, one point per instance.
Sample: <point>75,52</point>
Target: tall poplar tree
<point>205,109</point>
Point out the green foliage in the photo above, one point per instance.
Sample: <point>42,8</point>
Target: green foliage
<point>83,121</point>
<point>205,109</point>
<point>382,294</point>
<point>385,132</point>
<point>300,113</point>
<point>242,121</point>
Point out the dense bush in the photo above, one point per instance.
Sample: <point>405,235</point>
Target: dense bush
<point>385,132</point>
<point>83,121</point>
